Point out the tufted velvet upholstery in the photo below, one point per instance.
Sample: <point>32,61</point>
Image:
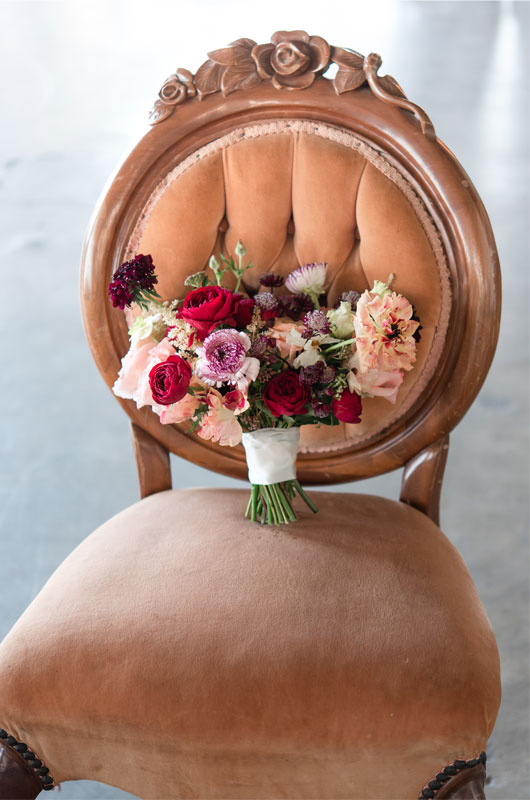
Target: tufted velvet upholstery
<point>296,192</point>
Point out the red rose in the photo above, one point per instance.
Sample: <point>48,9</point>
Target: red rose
<point>348,408</point>
<point>169,380</point>
<point>284,394</point>
<point>208,306</point>
<point>244,312</point>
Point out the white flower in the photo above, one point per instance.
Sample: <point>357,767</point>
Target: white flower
<point>341,320</point>
<point>382,288</point>
<point>308,279</point>
<point>310,354</point>
<point>294,338</point>
<point>142,327</point>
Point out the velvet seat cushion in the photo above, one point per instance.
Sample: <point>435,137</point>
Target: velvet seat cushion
<point>183,652</point>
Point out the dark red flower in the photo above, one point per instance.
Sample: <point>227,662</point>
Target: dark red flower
<point>271,279</point>
<point>244,312</point>
<point>131,279</point>
<point>348,408</point>
<point>208,306</point>
<point>284,394</point>
<point>294,305</point>
<point>169,380</point>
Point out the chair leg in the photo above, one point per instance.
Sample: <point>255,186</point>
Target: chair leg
<point>18,781</point>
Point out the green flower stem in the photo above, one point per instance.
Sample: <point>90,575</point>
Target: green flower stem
<point>275,494</point>
<point>304,497</point>
<point>314,297</point>
<point>286,505</point>
<point>249,506</point>
<point>339,345</point>
<point>254,497</point>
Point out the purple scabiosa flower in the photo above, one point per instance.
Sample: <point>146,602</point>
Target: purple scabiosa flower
<point>223,359</point>
<point>316,323</point>
<point>308,279</point>
<point>271,280</point>
<point>131,280</point>
<point>119,294</point>
<point>321,409</point>
<point>350,297</point>
<point>294,305</point>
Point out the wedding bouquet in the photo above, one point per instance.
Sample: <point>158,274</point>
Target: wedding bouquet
<point>252,370</point>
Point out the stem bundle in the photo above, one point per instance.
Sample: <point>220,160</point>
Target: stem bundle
<point>273,504</point>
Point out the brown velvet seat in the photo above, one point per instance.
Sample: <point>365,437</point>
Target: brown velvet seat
<point>203,656</point>
<point>190,653</point>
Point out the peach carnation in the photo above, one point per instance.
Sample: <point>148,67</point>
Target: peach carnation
<point>384,331</point>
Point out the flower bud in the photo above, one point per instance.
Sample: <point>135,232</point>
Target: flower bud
<point>240,249</point>
<point>214,263</point>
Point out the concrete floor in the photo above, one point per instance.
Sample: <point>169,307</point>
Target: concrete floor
<point>77,81</point>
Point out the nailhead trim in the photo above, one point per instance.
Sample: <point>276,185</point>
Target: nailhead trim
<point>447,773</point>
<point>42,772</point>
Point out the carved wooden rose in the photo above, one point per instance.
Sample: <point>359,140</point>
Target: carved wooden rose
<point>292,60</point>
<point>177,88</point>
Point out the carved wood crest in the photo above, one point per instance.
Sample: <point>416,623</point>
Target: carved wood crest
<point>292,60</point>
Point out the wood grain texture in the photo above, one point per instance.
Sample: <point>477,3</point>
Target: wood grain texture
<point>152,462</point>
<point>436,177</point>
<point>421,486</point>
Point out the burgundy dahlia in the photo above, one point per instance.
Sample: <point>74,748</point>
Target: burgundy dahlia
<point>131,280</point>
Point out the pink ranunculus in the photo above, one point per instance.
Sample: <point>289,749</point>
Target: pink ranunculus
<point>279,332</point>
<point>220,424</point>
<point>181,411</point>
<point>384,331</point>
<point>223,359</point>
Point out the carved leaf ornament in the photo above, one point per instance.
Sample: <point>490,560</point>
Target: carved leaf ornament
<point>291,61</point>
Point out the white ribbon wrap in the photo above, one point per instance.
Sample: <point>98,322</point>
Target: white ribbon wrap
<point>271,455</point>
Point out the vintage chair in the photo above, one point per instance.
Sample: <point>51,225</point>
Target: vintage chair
<point>188,652</point>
